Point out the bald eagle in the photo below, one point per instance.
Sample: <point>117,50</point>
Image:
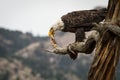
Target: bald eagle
<point>78,22</point>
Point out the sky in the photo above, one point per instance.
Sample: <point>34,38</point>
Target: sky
<point>37,16</point>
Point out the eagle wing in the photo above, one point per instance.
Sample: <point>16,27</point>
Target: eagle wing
<point>84,18</point>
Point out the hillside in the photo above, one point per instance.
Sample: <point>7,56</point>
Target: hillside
<point>28,52</point>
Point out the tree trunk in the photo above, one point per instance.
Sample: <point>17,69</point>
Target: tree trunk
<point>108,47</point>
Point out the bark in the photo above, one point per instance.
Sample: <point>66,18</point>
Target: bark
<point>106,55</point>
<point>108,47</point>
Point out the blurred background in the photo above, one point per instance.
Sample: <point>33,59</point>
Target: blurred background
<point>24,26</point>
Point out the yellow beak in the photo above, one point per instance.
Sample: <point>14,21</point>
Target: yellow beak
<point>51,35</point>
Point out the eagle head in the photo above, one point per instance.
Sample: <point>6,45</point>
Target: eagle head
<point>58,26</point>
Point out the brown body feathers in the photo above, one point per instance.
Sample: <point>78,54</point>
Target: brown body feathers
<point>82,19</point>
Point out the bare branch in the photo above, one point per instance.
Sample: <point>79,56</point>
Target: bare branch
<point>113,28</point>
<point>78,47</point>
<point>107,26</point>
<point>57,50</point>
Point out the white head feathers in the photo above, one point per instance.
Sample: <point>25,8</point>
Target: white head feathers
<point>59,25</point>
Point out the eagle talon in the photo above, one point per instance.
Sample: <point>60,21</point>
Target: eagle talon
<point>72,53</point>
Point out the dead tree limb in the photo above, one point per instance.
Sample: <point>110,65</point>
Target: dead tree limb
<point>106,56</point>
<point>108,46</point>
<point>79,47</point>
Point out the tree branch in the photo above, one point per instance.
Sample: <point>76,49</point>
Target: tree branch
<point>114,29</point>
<point>111,7</point>
<point>78,47</point>
<point>116,12</point>
<point>57,50</point>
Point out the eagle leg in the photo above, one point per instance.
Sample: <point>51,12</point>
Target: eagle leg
<point>79,35</point>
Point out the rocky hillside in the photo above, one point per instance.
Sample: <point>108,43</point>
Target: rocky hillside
<point>23,57</point>
<point>12,69</point>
